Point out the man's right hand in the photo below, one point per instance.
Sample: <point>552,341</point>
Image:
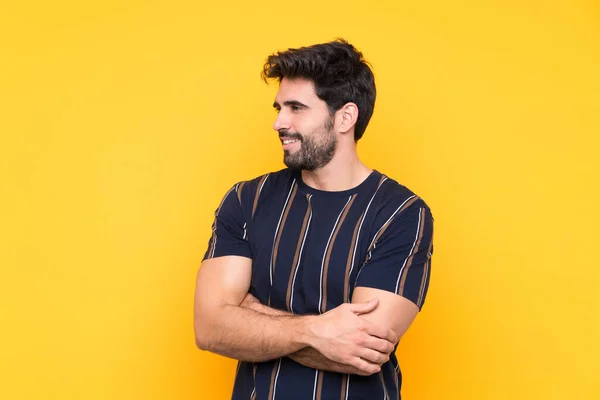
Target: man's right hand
<point>342,336</point>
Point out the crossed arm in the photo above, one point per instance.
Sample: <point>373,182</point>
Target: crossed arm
<point>352,338</point>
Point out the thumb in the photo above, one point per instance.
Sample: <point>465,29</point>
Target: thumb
<point>363,308</point>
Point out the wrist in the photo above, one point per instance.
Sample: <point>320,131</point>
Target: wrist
<point>305,331</point>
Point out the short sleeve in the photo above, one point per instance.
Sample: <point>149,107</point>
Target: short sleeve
<point>229,229</point>
<point>399,259</point>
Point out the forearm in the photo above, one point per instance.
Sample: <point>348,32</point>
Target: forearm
<point>248,335</point>
<point>306,356</point>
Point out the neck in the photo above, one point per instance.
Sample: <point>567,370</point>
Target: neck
<point>345,171</point>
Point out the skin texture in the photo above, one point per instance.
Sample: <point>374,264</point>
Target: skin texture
<point>225,327</point>
<point>353,338</point>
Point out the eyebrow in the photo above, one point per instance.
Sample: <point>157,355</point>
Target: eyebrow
<point>290,103</point>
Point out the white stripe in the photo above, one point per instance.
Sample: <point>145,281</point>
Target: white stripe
<point>426,272</point>
<point>389,219</point>
<point>263,184</point>
<point>215,223</point>
<point>277,231</point>
<point>253,380</point>
<point>347,386</point>
<point>411,251</point>
<point>373,242</point>
<point>300,256</point>
<point>315,387</point>
<point>360,228</point>
<point>325,253</point>
<point>276,376</point>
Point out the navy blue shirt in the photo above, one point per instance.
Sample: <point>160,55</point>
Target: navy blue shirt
<point>310,249</point>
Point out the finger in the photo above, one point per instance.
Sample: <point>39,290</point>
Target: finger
<point>381,332</point>
<point>380,345</point>
<point>364,367</point>
<point>363,308</point>
<point>373,357</point>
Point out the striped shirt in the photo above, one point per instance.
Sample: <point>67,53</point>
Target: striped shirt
<point>310,249</point>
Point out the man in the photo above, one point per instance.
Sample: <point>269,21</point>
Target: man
<point>314,272</point>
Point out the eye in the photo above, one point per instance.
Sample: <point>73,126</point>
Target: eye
<point>295,108</point>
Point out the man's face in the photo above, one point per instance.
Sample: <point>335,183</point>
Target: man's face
<point>304,124</point>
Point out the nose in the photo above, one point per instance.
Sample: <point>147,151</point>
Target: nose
<point>281,122</point>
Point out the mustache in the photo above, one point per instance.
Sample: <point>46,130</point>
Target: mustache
<point>283,133</point>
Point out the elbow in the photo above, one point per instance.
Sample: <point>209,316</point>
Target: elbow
<point>202,333</point>
<point>203,341</point>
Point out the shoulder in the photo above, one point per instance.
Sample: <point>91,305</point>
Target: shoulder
<point>395,200</point>
<point>249,192</point>
<point>264,182</point>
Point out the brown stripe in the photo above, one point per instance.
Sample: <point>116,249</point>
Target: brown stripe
<point>239,191</point>
<point>214,225</point>
<point>280,232</point>
<point>254,367</point>
<point>411,257</point>
<point>353,244</point>
<point>344,383</point>
<point>297,255</point>
<point>329,250</point>
<point>380,182</point>
<point>349,262</point>
<point>272,388</point>
<point>212,239</point>
<point>319,385</point>
<point>387,224</point>
<point>260,183</point>
<point>425,273</point>
<point>387,396</point>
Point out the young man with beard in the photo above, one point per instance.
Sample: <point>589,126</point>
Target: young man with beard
<point>314,272</point>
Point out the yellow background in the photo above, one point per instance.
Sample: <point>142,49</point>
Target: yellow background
<point>123,123</point>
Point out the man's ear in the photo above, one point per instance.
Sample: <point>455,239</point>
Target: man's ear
<point>348,115</point>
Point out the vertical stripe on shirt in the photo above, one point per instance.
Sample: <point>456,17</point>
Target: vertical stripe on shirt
<point>213,244</point>
<point>319,385</point>
<point>289,298</point>
<point>387,223</point>
<point>355,238</point>
<point>343,391</point>
<point>347,386</point>
<point>385,392</point>
<point>350,260</point>
<point>238,189</point>
<point>253,394</point>
<point>315,384</point>
<point>408,262</point>
<point>279,229</point>
<point>327,254</point>
<point>425,275</point>
<point>396,376</point>
<point>259,188</point>
<point>274,375</point>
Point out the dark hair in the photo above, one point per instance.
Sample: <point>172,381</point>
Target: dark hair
<point>339,72</point>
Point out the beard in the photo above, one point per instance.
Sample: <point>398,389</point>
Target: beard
<point>316,149</point>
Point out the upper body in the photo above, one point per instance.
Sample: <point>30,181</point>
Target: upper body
<point>314,272</point>
<point>310,249</point>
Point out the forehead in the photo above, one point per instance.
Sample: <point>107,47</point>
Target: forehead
<point>300,89</point>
